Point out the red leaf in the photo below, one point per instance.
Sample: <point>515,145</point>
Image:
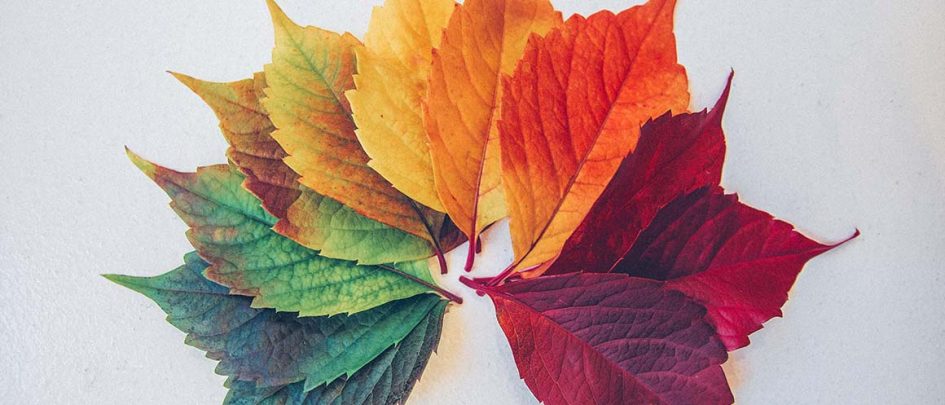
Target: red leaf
<point>572,111</point>
<point>737,261</point>
<point>610,339</point>
<point>676,154</point>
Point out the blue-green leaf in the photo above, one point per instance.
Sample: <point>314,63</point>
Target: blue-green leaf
<point>272,349</point>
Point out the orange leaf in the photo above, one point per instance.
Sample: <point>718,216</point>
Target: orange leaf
<point>483,41</point>
<point>573,110</point>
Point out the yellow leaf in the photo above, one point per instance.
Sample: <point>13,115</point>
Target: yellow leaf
<point>310,71</point>
<point>483,42</point>
<point>393,68</point>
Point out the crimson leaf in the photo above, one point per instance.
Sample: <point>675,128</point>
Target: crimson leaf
<point>737,261</point>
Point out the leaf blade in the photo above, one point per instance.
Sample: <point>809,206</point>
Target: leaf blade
<point>608,338</point>
<point>572,113</point>
<point>393,68</point>
<point>231,231</point>
<point>311,219</point>
<point>675,155</point>
<point>737,261</point>
<point>388,379</point>
<point>307,79</point>
<point>482,43</point>
<point>269,349</point>
<point>247,129</point>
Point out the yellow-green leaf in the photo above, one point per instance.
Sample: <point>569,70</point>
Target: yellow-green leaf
<point>310,71</point>
<point>312,220</point>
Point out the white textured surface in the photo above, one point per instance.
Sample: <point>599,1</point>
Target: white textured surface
<point>836,120</point>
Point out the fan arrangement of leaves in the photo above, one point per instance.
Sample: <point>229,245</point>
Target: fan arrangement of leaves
<point>351,163</point>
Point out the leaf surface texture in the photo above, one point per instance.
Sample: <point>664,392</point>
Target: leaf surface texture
<point>573,110</point>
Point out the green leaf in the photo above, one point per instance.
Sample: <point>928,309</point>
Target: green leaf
<point>342,233</point>
<point>193,304</point>
<point>388,379</point>
<point>272,349</point>
<point>233,232</point>
<point>309,218</point>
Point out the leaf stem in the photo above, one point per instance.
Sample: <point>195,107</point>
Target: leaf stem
<point>446,294</point>
<point>471,255</point>
<point>440,259</point>
<point>474,284</point>
<point>437,249</point>
<point>494,281</point>
<point>471,283</point>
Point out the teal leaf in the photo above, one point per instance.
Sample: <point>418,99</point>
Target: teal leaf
<point>272,349</point>
<point>388,379</point>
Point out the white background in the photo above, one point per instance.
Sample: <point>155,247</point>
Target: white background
<point>835,122</point>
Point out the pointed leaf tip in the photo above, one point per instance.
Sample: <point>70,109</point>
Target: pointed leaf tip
<point>189,81</point>
<point>719,107</point>
<point>130,282</point>
<point>856,234</point>
<point>115,278</point>
<point>146,167</point>
<point>279,19</point>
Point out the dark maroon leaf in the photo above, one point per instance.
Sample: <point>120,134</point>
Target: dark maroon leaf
<point>610,339</point>
<point>676,154</point>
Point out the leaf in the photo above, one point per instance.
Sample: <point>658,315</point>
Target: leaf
<point>393,70</point>
<point>483,42</point>
<point>610,339</point>
<point>310,71</point>
<point>313,220</point>
<point>247,128</point>
<point>231,231</point>
<point>675,155</point>
<point>652,222</point>
<point>339,232</point>
<point>388,379</point>
<point>273,349</point>
<point>737,261</point>
<point>572,111</point>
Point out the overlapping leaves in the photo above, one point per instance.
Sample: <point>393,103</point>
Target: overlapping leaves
<point>232,232</point>
<point>309,218</point>
<point>282,358</point>
<point>352,163</point>
<point>663,229</point>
